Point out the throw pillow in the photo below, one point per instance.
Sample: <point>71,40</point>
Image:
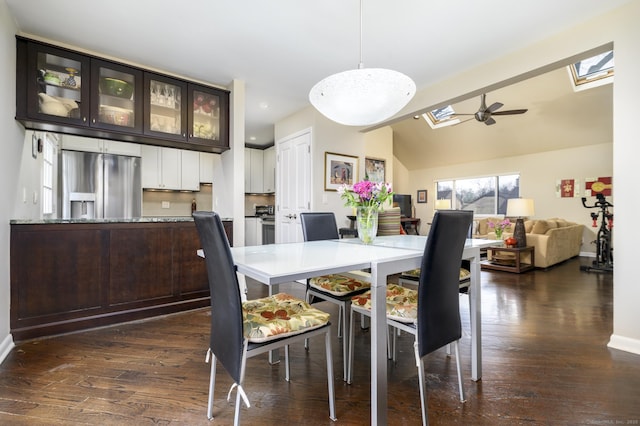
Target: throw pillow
<point>540,227</point>
<point>528,226</point>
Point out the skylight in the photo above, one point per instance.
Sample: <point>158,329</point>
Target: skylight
<point>588,71</point>
<point>441,117</point>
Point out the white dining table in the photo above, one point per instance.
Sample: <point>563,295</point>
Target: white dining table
<point>275,264</point>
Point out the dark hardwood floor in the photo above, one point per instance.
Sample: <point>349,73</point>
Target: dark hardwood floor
<point>545,363</point>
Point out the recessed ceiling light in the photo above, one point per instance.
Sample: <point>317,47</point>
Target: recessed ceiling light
<point>252,138</point>
<point>264,105</point>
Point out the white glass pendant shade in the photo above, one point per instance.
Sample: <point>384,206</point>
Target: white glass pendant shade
<point>363,96</point>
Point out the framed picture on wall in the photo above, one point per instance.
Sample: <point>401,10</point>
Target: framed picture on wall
<point>339,169</point>
<point>422,195</point>
<point>374,169</point>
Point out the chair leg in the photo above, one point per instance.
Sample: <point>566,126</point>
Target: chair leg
<point>330,384</point>
<point>212,384</point>
<point>345,335</point>
<point>455,346</point>
<point>421,382</point>
<point>236,416</point>
<point>287,372</point>
<point>340,317</point>
<point>391,343</point>
<point>350,363</point>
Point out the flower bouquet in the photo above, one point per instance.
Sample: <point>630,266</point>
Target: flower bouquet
<point>499,227</point>
<point>367,197</point>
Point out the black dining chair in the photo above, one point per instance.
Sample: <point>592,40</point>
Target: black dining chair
<point>240,330</point>
<point>335,288</point>
<point>431,313</point>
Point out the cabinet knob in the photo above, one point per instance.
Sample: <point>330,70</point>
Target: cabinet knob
<point>84,119</point>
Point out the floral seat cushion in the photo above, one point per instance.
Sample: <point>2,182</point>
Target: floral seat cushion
<point>402,303</point>
<point>280,315</point>
<point>415,273</point>
<point>338,285</point>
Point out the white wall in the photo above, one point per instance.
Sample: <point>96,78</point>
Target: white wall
<point>12,146</point>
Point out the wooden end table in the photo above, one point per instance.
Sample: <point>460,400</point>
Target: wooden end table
<point>508,259</point>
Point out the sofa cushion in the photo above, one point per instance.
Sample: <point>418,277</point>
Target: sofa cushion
<point>540,227</point>
<point>528,226</point>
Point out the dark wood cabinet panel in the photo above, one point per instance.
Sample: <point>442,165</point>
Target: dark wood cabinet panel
<point>191,270</point>
<point>141,265</point>
<point>57,272</point>
<point>65,91</point>
<point>73,276</point>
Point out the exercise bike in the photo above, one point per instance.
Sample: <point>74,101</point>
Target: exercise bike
<point>604,250</point>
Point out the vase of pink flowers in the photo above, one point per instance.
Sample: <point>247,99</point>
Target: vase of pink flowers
<point>499,227</point>
<point>367,197</point>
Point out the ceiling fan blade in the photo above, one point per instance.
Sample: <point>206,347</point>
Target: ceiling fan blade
<point>464,121</point>
<point>510,112</point>
<point>494,106</point>
<point>489,121</point>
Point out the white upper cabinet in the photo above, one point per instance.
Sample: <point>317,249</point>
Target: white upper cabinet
<point>160,168</point>
<point>206,167</point>
<point>259,170</point>
<point>269,170</point>
<point>190,170</point>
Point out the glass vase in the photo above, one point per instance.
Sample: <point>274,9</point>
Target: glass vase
<point>367,222</point>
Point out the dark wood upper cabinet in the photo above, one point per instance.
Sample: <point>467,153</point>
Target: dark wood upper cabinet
<point>208,116</point>
<point>165,113</point>
<point>65,91</point>
<point>54,84</point>
<point>116,97</point>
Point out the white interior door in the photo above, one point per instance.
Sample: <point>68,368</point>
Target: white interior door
<point>293,182</point>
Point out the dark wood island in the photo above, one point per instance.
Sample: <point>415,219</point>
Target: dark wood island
<point>69,275</point>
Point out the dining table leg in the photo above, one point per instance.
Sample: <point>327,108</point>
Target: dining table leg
<point>378,345</point>
<point>475,317</point>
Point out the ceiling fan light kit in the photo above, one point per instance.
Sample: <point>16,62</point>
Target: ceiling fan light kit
<point>363,96</point>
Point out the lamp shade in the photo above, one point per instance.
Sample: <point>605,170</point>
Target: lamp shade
<point>443,204</point>
<point>520,207</point>
<point>363,96</point>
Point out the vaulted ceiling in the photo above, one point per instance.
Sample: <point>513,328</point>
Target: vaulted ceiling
<point>557,118</point>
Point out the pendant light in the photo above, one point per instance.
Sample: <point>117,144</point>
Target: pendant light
<point>363,96</point>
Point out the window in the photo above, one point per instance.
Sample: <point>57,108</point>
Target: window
<point>47,176</point>
<point>483,195</point>
<point>592,72</point>
<point>441,117</point>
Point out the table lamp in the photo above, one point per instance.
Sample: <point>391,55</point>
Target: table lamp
<point>520,208</point>
<point>443,204</point>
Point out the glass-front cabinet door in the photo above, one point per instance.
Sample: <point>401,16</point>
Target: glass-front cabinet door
<point>208,109</point>
<point>117,97</point>
<point>58,85</point>
<point>165,112</point>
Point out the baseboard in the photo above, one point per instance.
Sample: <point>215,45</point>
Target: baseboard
<point>5,347</point>
<point>587,254</point>
<point>626,344</point>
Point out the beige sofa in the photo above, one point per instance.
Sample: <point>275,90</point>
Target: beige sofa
<point>555,240</point>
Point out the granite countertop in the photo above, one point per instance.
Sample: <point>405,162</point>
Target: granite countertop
<point>159,219</point>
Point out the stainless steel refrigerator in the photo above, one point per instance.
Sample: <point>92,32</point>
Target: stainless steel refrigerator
<point>95,186</point>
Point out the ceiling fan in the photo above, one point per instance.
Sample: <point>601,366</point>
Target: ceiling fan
<point>484,114</point>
